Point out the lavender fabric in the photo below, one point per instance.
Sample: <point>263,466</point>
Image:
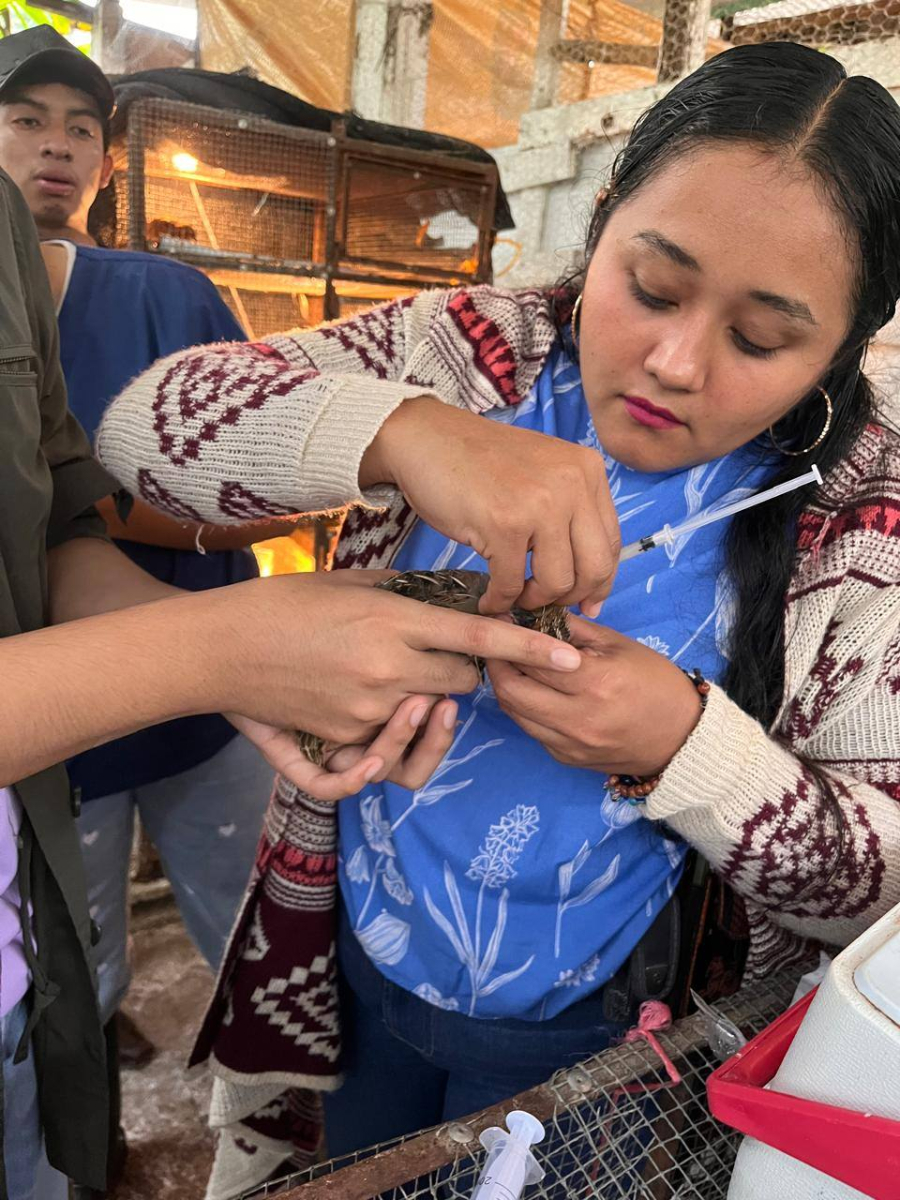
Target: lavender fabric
<point>14,978</point>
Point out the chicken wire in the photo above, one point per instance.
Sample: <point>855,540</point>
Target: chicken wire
<point>817,23</point>
<point>618,1128</point>
<point>619,48</point>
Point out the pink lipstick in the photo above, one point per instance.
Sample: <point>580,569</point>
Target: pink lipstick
<point>650,415</point>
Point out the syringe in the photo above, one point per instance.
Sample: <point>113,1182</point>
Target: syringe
<point>667,534</point>
<point>510,1165</point>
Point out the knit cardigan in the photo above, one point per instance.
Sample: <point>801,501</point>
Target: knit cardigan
<point>241,432</point>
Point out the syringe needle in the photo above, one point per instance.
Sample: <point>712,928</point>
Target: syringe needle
<point>666,535</point>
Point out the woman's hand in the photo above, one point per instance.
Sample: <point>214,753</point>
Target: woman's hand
<point>505,491</point>
<point>407,751</point>
<point>355,664</point>
<point>627,710</point>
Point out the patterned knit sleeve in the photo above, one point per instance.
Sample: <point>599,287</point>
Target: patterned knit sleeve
<point>230,433</point>
<point>233,433</point>
<point>757,814</point>
<point>823,862</point>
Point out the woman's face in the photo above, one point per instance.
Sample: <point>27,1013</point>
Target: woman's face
<point>715,300</point>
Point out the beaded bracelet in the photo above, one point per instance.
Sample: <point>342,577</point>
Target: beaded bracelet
<point>635,788</point>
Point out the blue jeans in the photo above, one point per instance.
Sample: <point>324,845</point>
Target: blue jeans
<point>409,1065</point>
<point>205,823</point>
<point>28,1174</point>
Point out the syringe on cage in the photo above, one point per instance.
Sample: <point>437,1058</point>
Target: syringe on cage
<point>510,1164</point>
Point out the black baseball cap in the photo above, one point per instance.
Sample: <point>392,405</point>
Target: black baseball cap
<point>41,55</point>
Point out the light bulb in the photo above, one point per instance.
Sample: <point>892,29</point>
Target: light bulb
<point>185,163</point>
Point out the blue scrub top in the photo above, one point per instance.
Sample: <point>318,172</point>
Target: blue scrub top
<point>122,311</point>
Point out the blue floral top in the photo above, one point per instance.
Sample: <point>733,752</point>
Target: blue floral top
<point>510,885</point>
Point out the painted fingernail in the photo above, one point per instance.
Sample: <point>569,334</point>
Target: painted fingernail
<point>450,717</point>
<point>417,716</point>
<point>565,657</point>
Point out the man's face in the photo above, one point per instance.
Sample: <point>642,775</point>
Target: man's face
<point>51,144</point>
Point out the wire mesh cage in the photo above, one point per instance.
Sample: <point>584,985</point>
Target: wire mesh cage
<point>619,1127</point>
<point>424,221</point>
<point>297,226</point>
<point>219,185</point>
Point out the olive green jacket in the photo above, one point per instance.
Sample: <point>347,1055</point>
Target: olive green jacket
<point>48,485</point>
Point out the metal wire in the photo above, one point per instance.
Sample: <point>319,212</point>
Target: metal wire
<point>296,226</point>
<point>816,23</point>
<point>617,1129</point>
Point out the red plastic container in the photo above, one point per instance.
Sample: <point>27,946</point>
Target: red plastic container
<point>861,1151</point>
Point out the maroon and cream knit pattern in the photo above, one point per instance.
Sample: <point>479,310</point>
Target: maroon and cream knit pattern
<point>234,433</point>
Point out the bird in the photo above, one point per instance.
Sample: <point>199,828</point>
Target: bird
<point>459,590</point>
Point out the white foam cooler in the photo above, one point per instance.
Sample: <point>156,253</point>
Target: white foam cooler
<point>846,1053</point>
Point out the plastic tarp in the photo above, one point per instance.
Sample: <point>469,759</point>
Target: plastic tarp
<point>481,58</point>
<point>305,48</point>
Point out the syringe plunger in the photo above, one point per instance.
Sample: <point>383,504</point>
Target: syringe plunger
<point>510,1164</point>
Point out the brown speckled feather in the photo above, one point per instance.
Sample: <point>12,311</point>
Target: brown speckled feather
<point>453,589</point>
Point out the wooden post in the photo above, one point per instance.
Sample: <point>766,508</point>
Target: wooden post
<point>390,68</point>
<point>552,29</point>
<point>367,83</point>
<point>685,34</point>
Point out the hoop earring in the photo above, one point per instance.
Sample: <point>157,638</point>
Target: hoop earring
<point>829,413</point>
<point>574,320</point>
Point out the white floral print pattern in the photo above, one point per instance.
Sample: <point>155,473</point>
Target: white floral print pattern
<point>510,885</point>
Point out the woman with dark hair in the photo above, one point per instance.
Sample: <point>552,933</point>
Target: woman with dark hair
<point>740,688</point>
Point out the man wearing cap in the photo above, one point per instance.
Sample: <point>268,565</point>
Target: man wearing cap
<point>200,789</point>
<point>58,184</point>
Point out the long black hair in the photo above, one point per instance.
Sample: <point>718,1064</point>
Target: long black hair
<point>798,102</point>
